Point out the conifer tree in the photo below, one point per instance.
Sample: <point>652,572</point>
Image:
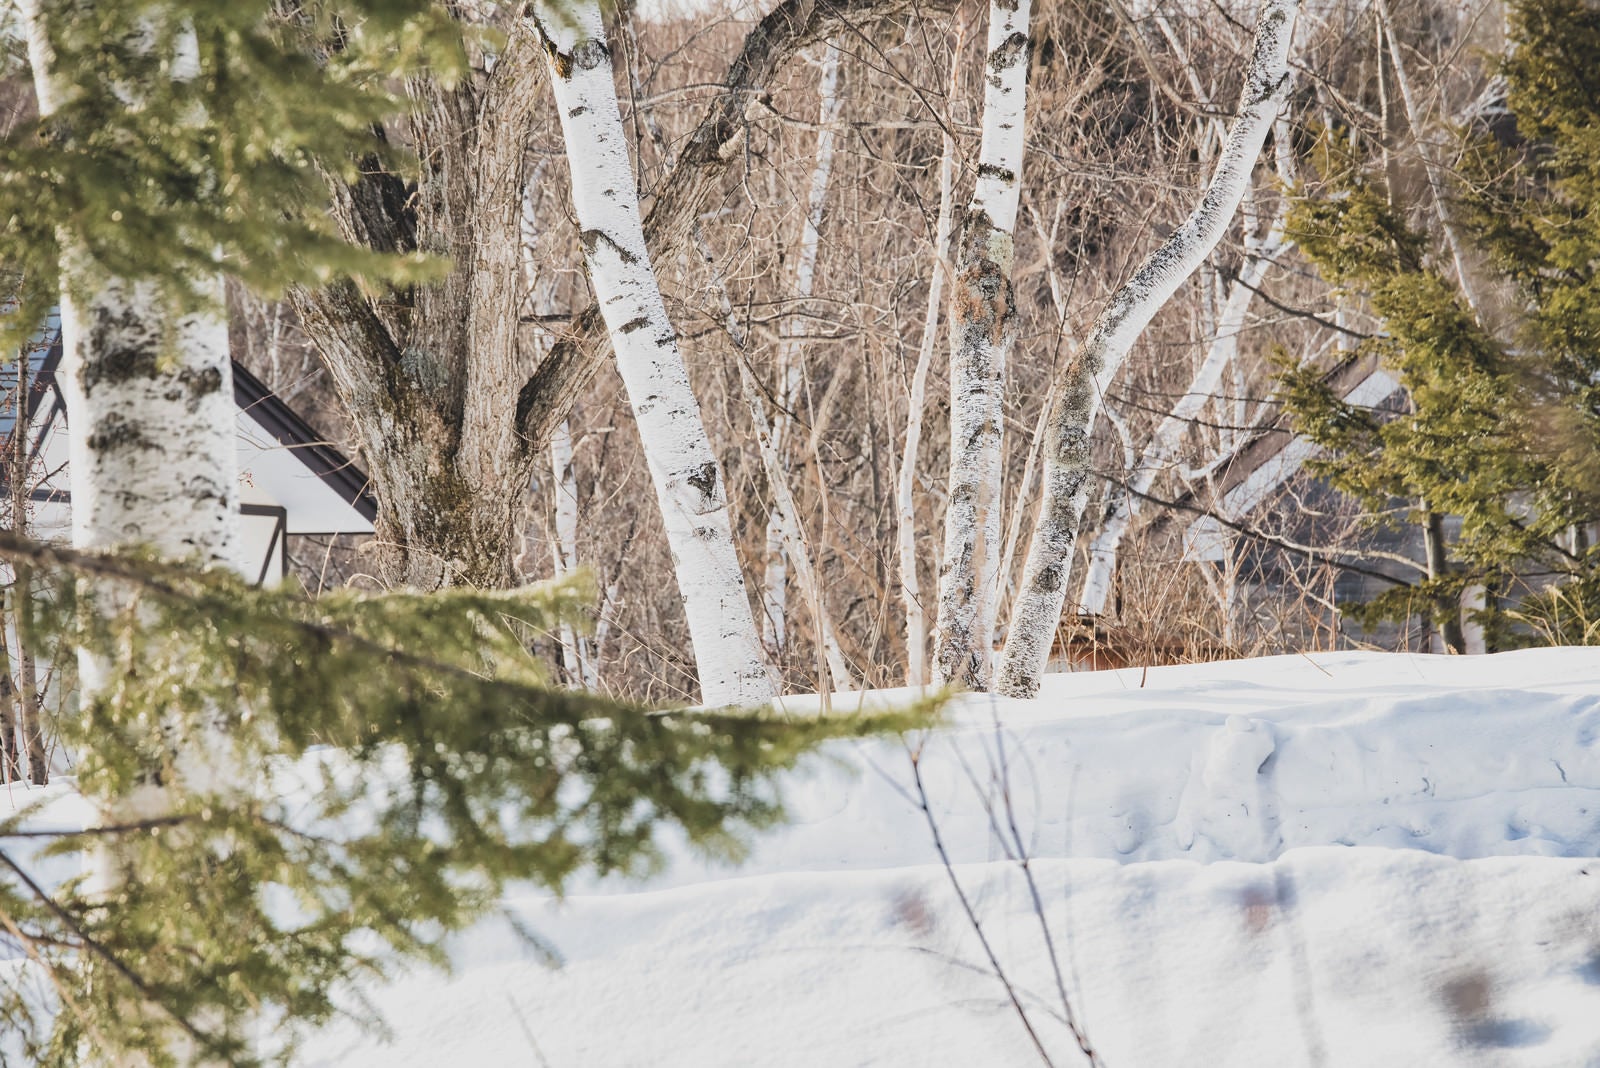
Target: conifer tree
<point>1504,436</point>
<point>397,760</point>
<point>175,178</point>
<point>1534,208</point>
<point>1454,449</point>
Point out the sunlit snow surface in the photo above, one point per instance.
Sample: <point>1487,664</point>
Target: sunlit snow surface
<point>1341,859</point>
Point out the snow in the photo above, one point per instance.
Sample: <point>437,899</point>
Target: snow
<point>1333,859</point>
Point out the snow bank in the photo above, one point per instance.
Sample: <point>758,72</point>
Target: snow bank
<point>1180,822</point>
<point>1359,957</point>
<point>1328,860</point>
<point>1464,756</point>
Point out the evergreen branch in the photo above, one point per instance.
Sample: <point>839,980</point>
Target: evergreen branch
<point>101,951</point>
<point>154,823</point>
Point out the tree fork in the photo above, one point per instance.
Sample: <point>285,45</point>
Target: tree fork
<point>1037,611</point>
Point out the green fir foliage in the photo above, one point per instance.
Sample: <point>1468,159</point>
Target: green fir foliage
<point>1534,207</point>
<point>338,783</point>
<point>195,137</point>
<point>1457,446</point>
<point>1503,433</point>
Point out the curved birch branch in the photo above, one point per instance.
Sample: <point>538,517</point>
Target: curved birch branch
<point>1162,450</point>
<point>1066,484</point>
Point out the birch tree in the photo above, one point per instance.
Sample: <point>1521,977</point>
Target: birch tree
<point>791,366</point>
<point>983,318</point>
<point>150,396</point>
<point>1261,251</point>
<point>1043,590</point>
<point>689,484</point>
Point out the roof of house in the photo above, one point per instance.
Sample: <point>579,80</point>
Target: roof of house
<point>251,395</point>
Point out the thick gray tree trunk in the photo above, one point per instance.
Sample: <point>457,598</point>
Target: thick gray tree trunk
<point>450,416</point>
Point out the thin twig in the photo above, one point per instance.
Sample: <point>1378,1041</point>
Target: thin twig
<point>966,904</point>
<point>1024,861</point>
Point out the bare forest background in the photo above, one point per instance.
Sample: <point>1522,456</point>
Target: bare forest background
<point>805,286</point>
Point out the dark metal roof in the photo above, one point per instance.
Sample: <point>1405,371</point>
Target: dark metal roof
<point>1265,444</point>
<point>285,425</point>
<point>295,434</point>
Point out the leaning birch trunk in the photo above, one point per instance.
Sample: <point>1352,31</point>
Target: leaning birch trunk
<point>1163,447</point>
<point>984,325</point>
<point>688,480</point>
<point>1431,166</point>
<point>1067,448</point>
<point>775,586</point>
<point>791,536</point>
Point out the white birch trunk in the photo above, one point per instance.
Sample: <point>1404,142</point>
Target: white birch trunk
<point>574,646</point>
<point>687,477</point>
<point>917,403</point>
<point>791,535</point>
<point>152,454</point>
<point>1066,482</point>
<point>791,368</point>
<point>905,488</point>
<point>984,321</point>
<point>1162,450</point>
<point>149,396</point>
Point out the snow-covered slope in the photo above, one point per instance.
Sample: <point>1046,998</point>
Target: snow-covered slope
<point>1342,859</point>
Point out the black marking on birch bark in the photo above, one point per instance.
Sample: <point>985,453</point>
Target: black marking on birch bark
<point>1007,53</point>
<point>113,432</point>
<point>634,324</point>
<point>590,53</point>
<point>122,346</point>
<point>704,479</point>
<point>591,239</point>
<point>585,55</point>
<point>577,111</point>
<point>989,170</point>
<point>200,489</point>
<point>202,382</point>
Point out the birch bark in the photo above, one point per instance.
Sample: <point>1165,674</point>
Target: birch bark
<point>791,365</point>
<point>152,449</point>
<point>150,398</point>
<point>905,487</point>
<point>1160,453</point>
<point>574,646</point>
<point>1067,449</point>
<point>984,327</point>
<point>687,477</point>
